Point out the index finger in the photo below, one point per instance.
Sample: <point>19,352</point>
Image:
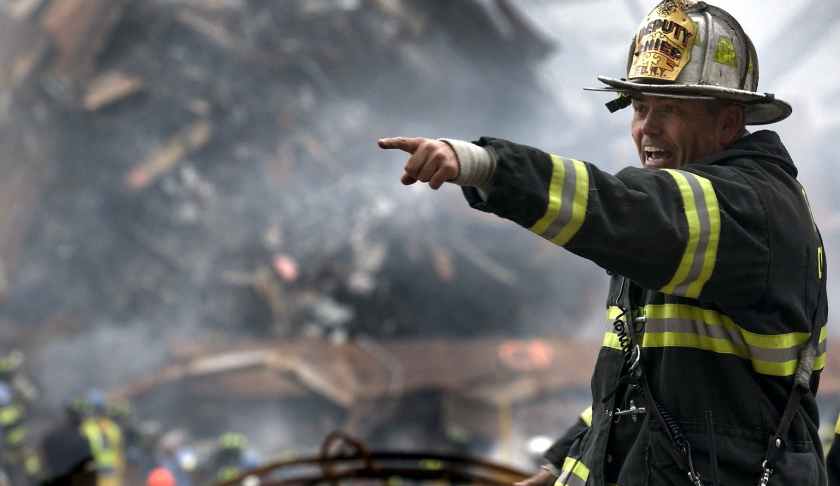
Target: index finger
<point>406,144</point>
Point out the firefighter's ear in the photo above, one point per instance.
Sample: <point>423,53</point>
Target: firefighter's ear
<point>731,123</point>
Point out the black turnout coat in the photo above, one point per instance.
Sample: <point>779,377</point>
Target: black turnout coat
<point>724,260</point>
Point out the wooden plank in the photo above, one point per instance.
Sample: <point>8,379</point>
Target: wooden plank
<point>352,373</point>
<point>110,87</point>
<point>164,158</point>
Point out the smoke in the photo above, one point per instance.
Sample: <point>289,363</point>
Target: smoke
<point>294,108</point>
<point>105,356</point>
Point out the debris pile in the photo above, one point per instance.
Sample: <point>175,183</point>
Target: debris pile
<point>204,173</point>
<point>211,162</point>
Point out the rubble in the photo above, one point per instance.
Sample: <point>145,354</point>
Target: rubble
<point>223,119</point>
<point>207,169</point>
<point>109,88</point>
<point>164,157</point>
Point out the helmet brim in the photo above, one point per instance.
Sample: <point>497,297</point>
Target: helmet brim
<point>759,108</point>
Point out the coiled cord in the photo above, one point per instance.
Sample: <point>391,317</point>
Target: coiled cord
<point>620,328</point>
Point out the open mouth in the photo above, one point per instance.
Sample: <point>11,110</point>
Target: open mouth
<point>657,157</point>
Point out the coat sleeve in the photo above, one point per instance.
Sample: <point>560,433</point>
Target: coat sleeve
<point>560,449</point>
<point>699,233</point>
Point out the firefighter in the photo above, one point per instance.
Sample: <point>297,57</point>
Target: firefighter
<point>105,439</point>
<point>176,455</point>
<point>68,459</point>
<point>137,443</point>
<point>17,459</point>
<point>561,447</point>
<point>716,309</point>
<point>231,458</point>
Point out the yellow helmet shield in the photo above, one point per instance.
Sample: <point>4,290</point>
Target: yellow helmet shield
<point>663,43</point>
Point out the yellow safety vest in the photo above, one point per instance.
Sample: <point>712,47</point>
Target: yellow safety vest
<point>11,422</point>
<point>105,441</point>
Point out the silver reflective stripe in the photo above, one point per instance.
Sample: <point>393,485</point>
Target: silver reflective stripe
<point>701,328</point>
<point>571,480</point>
<point>575,473</point>
<point>566,205</point>
<point>567,199</point>
<point>702,217</point>
<point>703,242</point>
<point>686,326</point>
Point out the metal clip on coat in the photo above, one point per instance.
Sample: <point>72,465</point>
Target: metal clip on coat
<point>633,411</point>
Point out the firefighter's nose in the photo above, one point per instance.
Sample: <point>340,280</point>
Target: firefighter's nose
<point>650,125</point>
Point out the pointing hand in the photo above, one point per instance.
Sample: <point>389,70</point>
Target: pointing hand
<point>431,160</point>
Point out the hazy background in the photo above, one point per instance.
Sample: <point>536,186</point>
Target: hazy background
<point>110,280</point>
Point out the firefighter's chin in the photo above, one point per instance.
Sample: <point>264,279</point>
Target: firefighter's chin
<point>662,163</point>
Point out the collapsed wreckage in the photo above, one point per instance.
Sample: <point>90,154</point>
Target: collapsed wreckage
<point>202,170</point>
<point>199,174</point>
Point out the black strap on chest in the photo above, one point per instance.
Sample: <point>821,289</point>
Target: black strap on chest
<point>804,368</point>
<point>801,387</point>
<point>634,372</point>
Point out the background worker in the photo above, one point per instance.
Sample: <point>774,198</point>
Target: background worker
<point>18,394</point>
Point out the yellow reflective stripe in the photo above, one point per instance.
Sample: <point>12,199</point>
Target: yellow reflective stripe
<point>681,325</point>
<point>819,363</point>
<point>837,426</point>
<point>555,190</point>
<point>104,456</point>
<point>611,340</point>
<point>15,436</point>
<point>10,414</point>
<point>586,416</point>
<point>702,214</point>
<point>693,231</point>
<point>568,197</point>
<point>32,464</point>
<point>710,255</point>
<point>227,473</point>
<point>785,368</point>
<point>688,340</point>
<point>111,430</point>
<point>713,318</point>
<point>574,472</point>
<point>581,199</point>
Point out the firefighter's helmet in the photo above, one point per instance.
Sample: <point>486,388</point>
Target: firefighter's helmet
<point>692,50</point>
<point>232,441</point>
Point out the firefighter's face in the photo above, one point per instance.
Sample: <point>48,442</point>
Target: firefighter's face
<point>670,133</point>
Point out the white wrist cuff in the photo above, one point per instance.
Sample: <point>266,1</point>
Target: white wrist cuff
<point>477,164</point>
